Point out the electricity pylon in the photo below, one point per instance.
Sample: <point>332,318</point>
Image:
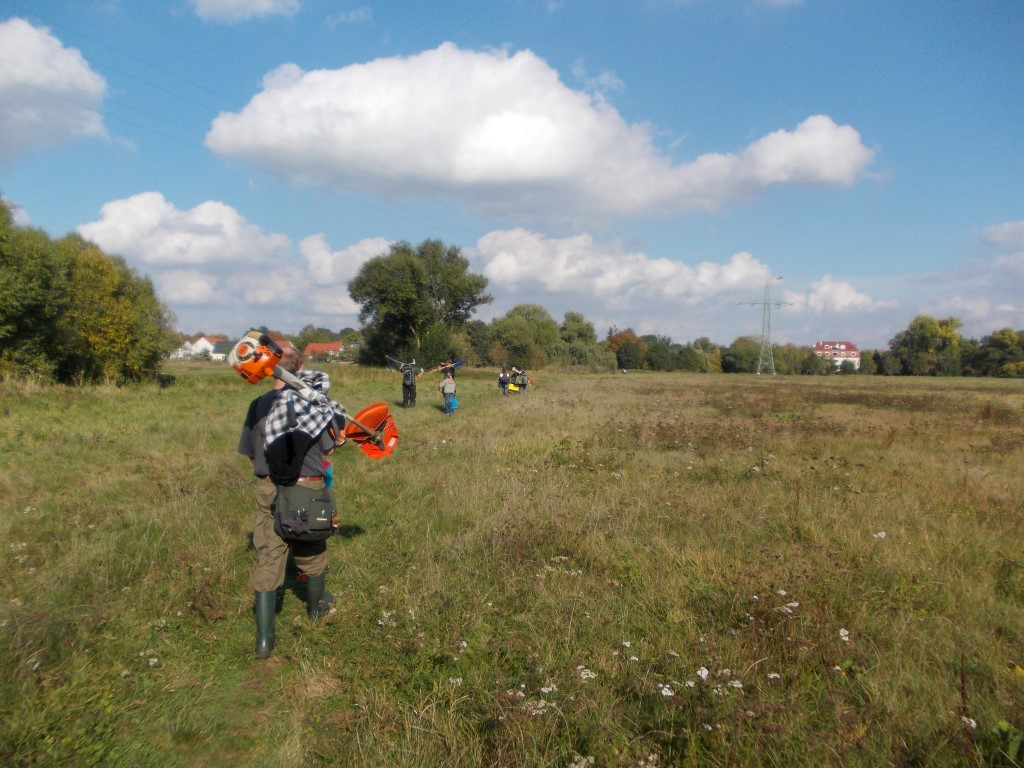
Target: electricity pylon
<point>767,358</point>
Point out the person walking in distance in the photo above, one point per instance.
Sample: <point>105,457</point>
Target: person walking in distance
<point>410,372</point>
<point>447,387</point>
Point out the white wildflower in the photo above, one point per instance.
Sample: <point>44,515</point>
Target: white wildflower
<point>879,535</point>
<point>586,674</point>
<point>970,722</point>
<point>535,708</point>
<point>703,673</point>
<point>844,635</point>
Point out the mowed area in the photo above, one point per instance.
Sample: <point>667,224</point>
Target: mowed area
<point>608,570</point>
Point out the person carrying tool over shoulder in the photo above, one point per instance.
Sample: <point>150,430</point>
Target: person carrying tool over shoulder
<point>293,458</point>
<point>410,372</point>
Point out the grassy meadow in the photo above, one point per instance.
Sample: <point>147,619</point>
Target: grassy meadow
<point>610,570</point>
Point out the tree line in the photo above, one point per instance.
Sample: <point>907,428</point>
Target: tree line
<point>418,303</point>
<point>71,313</point>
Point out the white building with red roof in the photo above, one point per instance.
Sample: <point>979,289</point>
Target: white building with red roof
<point>838,351</point>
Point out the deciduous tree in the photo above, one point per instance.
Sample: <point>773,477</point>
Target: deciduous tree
<point>929,347</point>
<point>409,291</point>
<point>72,313</point>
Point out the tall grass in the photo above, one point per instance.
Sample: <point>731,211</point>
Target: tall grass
<point>639,570</point>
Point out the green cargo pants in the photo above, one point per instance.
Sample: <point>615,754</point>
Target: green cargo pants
<point>310,557</point>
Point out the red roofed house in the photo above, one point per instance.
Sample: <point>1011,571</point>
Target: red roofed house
<point>838,351</point>
<point>323,349</point>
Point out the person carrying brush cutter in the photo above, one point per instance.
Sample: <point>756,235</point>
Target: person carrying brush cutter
<point>410,372</point>
<point>294,459</point>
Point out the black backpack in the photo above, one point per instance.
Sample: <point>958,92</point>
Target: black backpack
<point>408,377</point>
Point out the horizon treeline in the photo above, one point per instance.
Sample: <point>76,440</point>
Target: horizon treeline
<point>71,313</point>
<point>418,302</point>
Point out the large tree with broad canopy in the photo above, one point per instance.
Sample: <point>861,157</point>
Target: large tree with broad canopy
<point>414,298</point>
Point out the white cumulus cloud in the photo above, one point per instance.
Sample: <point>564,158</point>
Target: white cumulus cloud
<point>208,263</point>
<point>830,295</point>
<point>329,267</point>
<point>147,229</point>
<point>48,93</point>
<point>189,286</point>
<point>240,10</point>
<point>1012,264</point>
<point>502,131</point>
<point>1009,234</point>
<point>518,259</point>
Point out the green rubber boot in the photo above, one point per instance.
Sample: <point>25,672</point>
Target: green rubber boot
<point>265,604</point>
<point>319,602</point>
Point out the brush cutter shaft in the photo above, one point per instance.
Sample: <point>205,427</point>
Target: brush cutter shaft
<point>303,390</point>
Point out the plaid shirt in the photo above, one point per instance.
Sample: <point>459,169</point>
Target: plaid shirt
<point>291,413</point>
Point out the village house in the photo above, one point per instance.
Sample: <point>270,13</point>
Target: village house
<point>321,350</point>
<point>838,351</point>
<point>196,347</point>
<point>221,350</point>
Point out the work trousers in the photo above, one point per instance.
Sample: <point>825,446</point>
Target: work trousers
<point>408,395</point>
<point>310,557</point>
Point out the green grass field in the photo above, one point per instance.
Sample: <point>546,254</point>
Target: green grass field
<point>639,570</point>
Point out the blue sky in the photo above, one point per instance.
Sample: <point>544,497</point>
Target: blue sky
<point>652,164</point>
